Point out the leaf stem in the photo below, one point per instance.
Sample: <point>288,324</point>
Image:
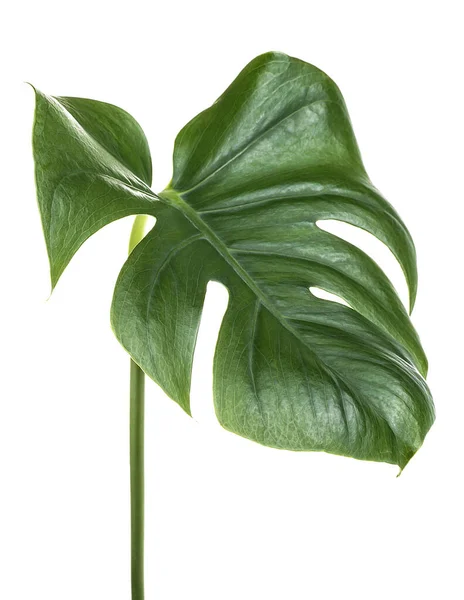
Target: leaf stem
<point>138,231</point>
<point>137,410</point>
<point>137,430</point>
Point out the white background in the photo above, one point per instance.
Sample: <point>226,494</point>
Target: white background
<point>226,518</point>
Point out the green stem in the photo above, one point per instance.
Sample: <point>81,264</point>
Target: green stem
<point>138,231</point>
<point>137,409</point>
<point>137,412</point>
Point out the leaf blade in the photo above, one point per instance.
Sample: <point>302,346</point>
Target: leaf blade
<point>83,172</point>
<point>253,174</point>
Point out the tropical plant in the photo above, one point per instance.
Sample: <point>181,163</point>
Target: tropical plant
<point>253,176</point>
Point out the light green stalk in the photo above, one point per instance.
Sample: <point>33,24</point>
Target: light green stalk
<point>137,412</point>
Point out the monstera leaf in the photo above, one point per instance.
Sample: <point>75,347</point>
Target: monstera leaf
<point>253,175</point>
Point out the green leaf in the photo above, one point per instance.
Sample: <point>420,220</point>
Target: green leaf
<point>92,166</point>
<point>253,175</point>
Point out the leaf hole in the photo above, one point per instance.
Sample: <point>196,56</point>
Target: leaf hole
<point>374,248</point>
<point>323,295</point>
<point>214,308</point>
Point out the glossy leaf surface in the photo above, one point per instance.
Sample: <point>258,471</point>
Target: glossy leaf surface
<point>92,166</point>
<point>253,175</point>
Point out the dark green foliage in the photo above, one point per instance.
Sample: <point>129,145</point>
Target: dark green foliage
<point>252,176</point>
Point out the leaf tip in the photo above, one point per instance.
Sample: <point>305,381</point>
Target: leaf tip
<point>37,92</point>
<point>406,457</point>
<point>31,85</point>
<point>55,275</point>
<point>412,299</point>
